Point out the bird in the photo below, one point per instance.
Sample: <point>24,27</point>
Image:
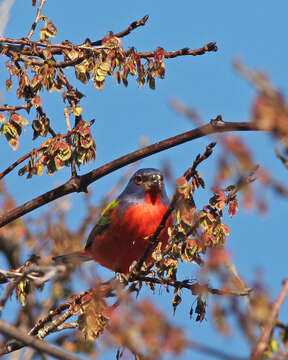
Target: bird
<point>120,236</point>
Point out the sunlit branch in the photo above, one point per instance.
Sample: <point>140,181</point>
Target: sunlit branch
<point>262,343</point>
<point>195,288</point>
<point>37,19</point>
<point>28,340</point>
<point>80,183</point>
<point>215,353</point>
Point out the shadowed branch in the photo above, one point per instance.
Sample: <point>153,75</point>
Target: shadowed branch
<point>80,183</point>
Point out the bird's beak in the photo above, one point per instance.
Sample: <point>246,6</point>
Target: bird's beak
<point>154,182</point>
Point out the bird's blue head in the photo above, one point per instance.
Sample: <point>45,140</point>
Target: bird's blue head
<point>145,185</point>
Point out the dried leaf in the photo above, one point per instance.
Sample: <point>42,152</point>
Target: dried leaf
<point>8,84</point>
<point>36,101</point>
<point>233,207</point>
<point>77,110</point>
<point>18,119</point>
<point>22,290</point>
<point>2,118</point>
<point>176,301</point>
<point>14,143</point>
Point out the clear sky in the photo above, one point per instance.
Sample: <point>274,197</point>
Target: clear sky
<point>255,31</point>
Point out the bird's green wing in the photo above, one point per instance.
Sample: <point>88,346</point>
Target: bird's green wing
<point>103,222</point>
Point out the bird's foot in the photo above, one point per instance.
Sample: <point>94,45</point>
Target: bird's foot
<point>122,278</point>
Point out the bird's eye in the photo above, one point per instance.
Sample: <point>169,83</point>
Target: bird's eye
<point>138,179</point>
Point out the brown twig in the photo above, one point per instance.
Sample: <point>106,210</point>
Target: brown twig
<point>145,55</point>
<point>19,161</point>
<point>15,108</point>
<point>37,344</point>
<point>262,343</point>
<point>188,175</point>
<point>80,183</point>
<point>44,118</point>
<point>185,51</point>
<point>131,27</point>
<point>34,151</point>
<point>154,238</point>
<point>47,324</point>
<point>207,350</point>
<point>196,289</point>
<point>52,313</point>
<point>56,49</point>
<point>37,19</point>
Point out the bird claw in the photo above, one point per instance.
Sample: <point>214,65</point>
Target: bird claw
<point>122,278</point>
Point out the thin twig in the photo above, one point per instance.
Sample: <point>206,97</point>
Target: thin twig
<point>37,274</point>
<point>15,108</point>
<point>262,343</point>
<point>34,151</point>
<point>182,52</point>
<point>37,344</point>
<point>131,27</point>
<point>19,161</point>
<point>207,350</point>
<point>196,288</point>
<point>57,49</point>
<point>80,183</point>
<point>54,312</point>
<point>37,19</point>
<point>153,240</point>
<point>188,175</point>
<point>44,326</point>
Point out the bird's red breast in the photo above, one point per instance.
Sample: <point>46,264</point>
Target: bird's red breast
<point>124,241</point>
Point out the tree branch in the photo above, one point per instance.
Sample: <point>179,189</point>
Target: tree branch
<point>46,325</point>
<point>207,350</point>
<point>37,19</point>
<point>153,240</point>
<point>80,183</point>
<point>262,343</point>
<point>145,55</point>
<point>37,344</point>
<point>185,51</point>
<point>34,151</point>
<point>196,288</point>
<point>134,25</point>
<point>15,108</point>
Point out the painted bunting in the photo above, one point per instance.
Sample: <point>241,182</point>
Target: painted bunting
<point>120,236</point>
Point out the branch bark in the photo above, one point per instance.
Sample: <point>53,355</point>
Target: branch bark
<point>196,288</point>
<point>208,350</point>
<point>80,183</point>
<point>37,19</point>
<point>262,343</point>
<point>31,341</point>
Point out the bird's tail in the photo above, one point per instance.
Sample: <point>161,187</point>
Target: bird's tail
<point>73,258</point>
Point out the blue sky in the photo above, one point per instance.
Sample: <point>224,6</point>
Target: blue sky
<point>252,31</point>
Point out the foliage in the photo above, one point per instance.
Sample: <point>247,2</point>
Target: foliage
<point>107,312</point>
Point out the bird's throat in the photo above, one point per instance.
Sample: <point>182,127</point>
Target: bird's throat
<point>152,197</point>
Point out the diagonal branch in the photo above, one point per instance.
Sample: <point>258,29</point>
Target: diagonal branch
<point>153,240</point>
<point>80,183</point>
<point>262,343</point>
<point>131,27</point>
<point>210,351</point>
<point>37,344</point>
<point>195,288</point>
<point>37,19</point>
<point>145,55</point>
<point>34,151</point>
<point>182,52</point>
